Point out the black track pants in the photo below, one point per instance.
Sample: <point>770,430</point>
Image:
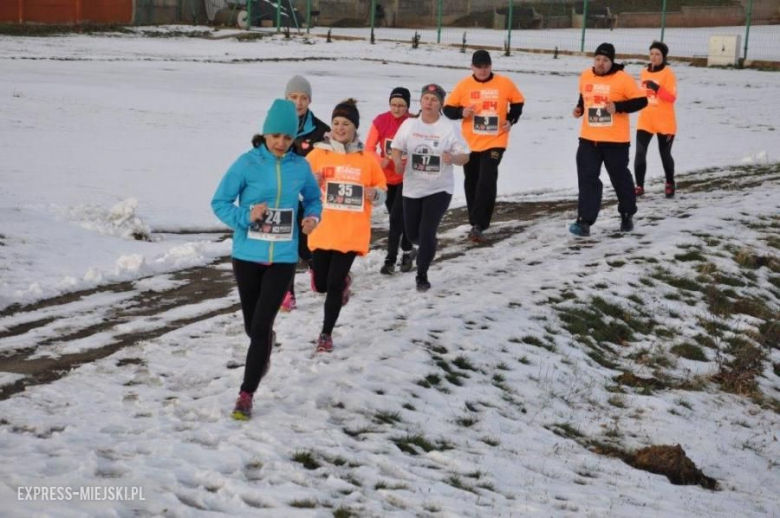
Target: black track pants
<point>590,156</point>
<point>396,236</point>
<point>422,217</point>
<point>480,184</point>
<point>665,142</point>
<point>261,288</point>
<point>330,272</point>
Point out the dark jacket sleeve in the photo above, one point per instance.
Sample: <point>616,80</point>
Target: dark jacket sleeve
<point>515,111</point>
<point>631,105</point>
<point>453,112</point>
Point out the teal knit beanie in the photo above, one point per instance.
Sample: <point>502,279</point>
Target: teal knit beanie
<point>282,118</point>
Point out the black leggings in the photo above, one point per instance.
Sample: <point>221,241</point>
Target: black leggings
<point>330,273</point>
<point>480,183</point>
<point>261,288</point>
<point>421,221</point>
<point>665,142</point>
<point>395,207</point>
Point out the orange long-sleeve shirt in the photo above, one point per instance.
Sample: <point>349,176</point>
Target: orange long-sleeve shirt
<point>491,101</point>
<point>346,217</point>
<point>659,116</point>
<point>597,91</point>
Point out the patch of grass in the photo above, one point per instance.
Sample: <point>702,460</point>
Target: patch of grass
<point>647,282</point>
<point>454,378</point>
<point>503,367</point>
<point>681,283</point>
<point>408,406</point>
<point>684,403</point>
<point>359,431</point>
<point>411,443</point>
<point>690,352</point>
<point>306,458</point>
<point>344,512</point>
<point>303,504</point>
<point>524,360</point>
<point>463,363</point>
<point>616,264</point>
<point>433,379</point>
<point>691,255</point>
<point>456,482</point>
<point>601,286</point>
<point>490,441</point>
<point>472,406</point>
<point>383,484</point>
<point>769,332</point>
<point>738,375</point>
<point>466,422</point>
<point>386,417</point>
<point>617,401</point>
<point>566,430</point>
<point>705,341</point>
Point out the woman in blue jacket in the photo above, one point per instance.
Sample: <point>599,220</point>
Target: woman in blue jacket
<point>267,182</point>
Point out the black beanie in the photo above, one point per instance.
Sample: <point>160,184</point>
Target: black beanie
<point>347,109</point>
<point>399,92</point>
<point>660,46</point>
<point>481,58</point>
<point>606,49</point>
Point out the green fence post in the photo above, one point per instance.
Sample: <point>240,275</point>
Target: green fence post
<point>308,16</point>
<point>747,28</point>
<point>248,14</point>
<point>372,16</point>
<point>278,15</point>
<point>509,26</point>
<point>438,21</point>
<point>584,24</point>
<point>663,20</point>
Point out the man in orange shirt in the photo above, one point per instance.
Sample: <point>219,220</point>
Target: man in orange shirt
<point>489,105</point>
<point>607,96</point>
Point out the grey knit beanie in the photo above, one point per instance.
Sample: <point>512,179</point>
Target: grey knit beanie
<point>298,85</point>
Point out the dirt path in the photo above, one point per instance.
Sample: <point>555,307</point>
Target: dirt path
<point>40,342</point>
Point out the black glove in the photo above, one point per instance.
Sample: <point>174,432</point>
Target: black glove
<point>652,85</point>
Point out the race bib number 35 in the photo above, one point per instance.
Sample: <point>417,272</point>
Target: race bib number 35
<point>277,225</point>
<point>599,118</point>
<point>344,196</point>
<point>486,124</point>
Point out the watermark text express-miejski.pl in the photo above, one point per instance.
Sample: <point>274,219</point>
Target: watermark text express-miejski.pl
<point>81,493</point>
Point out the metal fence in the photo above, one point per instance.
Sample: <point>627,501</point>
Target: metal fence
<point>560,25</point>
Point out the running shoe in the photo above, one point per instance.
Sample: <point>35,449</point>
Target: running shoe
<point>669,190</point>
<point>325,343</point>
<point>288,304</point>
<point>387,269</point>
<point>243,408</point>
<point>476,235</point>
<point>578,228</point>
<point>422,282</point>
<point>639,190</point>
<point>407,260</point>
<point>626,223</point>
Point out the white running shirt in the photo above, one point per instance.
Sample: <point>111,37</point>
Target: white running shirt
<point>423,144</point>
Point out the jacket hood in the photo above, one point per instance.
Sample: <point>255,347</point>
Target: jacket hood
<point>328,144</point>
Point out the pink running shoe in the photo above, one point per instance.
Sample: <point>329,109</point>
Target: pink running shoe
<point>325,343</point>
<point>288,304</point>
<point>243,408</point>
<point>347,292</point>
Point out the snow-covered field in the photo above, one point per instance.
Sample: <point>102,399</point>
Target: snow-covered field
<point>104,137</point>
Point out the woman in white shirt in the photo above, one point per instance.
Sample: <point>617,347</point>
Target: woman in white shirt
<point>432,145</point>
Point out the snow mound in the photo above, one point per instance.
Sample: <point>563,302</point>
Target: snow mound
<point>120,220</point>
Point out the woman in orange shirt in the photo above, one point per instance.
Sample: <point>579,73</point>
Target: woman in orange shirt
<point>351,182</point>
<point>658,118</point>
